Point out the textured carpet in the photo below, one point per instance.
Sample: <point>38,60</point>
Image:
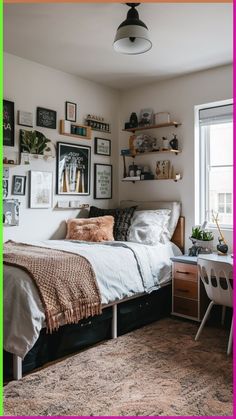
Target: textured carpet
<point>154,371</point>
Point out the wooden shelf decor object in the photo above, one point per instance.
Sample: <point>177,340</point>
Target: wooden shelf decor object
<point>145,127</point>
<point>84,129</point>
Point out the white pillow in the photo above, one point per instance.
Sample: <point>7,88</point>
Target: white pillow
<point>149,227</point>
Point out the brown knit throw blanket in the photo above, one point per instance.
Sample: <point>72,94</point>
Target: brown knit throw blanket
<point>66,281</point>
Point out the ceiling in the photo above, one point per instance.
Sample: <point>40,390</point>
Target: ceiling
<point>77,38</point>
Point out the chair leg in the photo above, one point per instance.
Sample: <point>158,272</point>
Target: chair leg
<point>229,349</point>
<point>223,315</point>
<point>204,320</point>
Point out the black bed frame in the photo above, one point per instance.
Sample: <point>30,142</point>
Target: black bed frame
<point>131,314</point>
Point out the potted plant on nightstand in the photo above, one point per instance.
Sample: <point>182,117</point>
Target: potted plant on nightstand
<point>202,241</point>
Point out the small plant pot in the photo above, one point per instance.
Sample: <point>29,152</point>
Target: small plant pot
<point>206,245</point>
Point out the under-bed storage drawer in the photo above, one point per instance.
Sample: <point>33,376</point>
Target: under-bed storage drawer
<point>87,332</point>
<point>143,310</point>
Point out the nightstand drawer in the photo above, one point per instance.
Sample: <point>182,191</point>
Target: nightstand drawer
<point>185,288</point>
<point>185,306</point>
<point>185,271</point>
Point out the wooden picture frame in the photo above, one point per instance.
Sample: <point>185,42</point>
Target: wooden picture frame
<point>71,111</point>
<point>18,185</point>
<point>46,118</point>
<point>40,189</point>
<point>102,146</point>
<point>102,181</point>
<point>8,123</point>
<point>73,169</point>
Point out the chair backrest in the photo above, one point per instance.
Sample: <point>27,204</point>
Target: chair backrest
<point>217,278</point>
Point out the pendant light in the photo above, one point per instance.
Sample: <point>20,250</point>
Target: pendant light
<point>132,34</point>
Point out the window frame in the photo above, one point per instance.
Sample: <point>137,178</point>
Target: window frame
<point>201,160</point>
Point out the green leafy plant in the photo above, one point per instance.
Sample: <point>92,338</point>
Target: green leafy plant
<point>199,234</point>
<point>34,142</point>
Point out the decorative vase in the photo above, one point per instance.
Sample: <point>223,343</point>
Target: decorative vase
<point>133,120</point>
<point>222,248</point>
<point>174,143</point>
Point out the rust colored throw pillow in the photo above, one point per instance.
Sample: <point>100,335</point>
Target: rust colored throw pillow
<point>123,217</point>
<point>91,229</point>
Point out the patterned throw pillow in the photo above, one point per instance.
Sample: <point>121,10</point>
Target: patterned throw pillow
<point>122,217</point>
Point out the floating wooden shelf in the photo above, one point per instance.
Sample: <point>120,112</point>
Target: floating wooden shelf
<point>10,165</point>
<point>68,134</point>
<point>100,130</point>
<point>82,206</point>
<point>152,152</point>
<point>145,180</point>
<point>167,124</point>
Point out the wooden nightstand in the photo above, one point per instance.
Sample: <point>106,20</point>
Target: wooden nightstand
<point>189,299</point>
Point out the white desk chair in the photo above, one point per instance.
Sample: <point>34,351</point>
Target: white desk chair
<point>216,279</point>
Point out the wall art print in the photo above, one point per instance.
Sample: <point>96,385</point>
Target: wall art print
<point>73,169</point>
<point>102,181</point>
<point>8,123</point>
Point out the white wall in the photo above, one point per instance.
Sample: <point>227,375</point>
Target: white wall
<point>29,85</point>
<point>178,96</point>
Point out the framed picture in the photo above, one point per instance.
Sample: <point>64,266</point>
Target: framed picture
<point>102,181</point>
<point>8,123</point>
<point>40,189</point>
<point>18,185</point>
<point>73,169</point>
<point>46,118</point>
<point>163,169</point>
<point>102,146</point>
<point>11,212</point>
<point>25,119</point>
<point>5,184</point>
<point>71,111</point>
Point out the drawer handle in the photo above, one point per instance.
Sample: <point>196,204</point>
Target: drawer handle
<point>181,290</point>
<point>182,272</point>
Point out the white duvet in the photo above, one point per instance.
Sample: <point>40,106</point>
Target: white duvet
<point>122,269</point>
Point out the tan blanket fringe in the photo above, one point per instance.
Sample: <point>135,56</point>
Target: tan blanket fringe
<point>66,282</point>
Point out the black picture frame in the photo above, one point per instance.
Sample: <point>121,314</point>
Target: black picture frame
<point>46,118</point>
<point>8,123</point>
<point>73,169</point>
<point>100,146</point>
<point>18,185</point>
<point>102,181</point>
<point>67,111</point>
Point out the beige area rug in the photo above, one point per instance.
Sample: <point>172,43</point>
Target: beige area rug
<point>158,370</point>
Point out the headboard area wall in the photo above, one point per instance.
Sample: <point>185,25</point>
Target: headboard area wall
<point>178,237</point>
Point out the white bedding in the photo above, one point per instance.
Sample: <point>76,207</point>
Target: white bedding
<point>122,269</point>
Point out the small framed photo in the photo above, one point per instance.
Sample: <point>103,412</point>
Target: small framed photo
<point>46,118</point>
<point>40,189</point>
<point>11,212</point>
<point>5,184</point>
<point>25,119</point>
<point>102,146</point>
<point>163,169</point>
<point>102,181</point>
<point>71,111</point>
<point>18,185</point>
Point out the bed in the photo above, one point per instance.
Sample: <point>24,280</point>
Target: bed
<point>137,278</point>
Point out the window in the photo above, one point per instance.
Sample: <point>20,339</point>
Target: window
<point>214,164</point>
